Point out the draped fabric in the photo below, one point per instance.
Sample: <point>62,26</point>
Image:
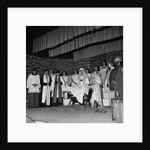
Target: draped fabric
<point>76,37</point>
<point>59,35</point>
<point>98,36</point>
<point>98,50</point>
<point>65,33</point>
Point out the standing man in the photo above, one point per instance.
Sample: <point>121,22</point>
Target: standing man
<point>46,88</point>
<point>41,82</point>
<point>119,80</point>
<point>117,63</point>
<point>57,90</point>
<point>33,86</point>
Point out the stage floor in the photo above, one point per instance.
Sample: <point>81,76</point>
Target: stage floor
<point>68,114</point>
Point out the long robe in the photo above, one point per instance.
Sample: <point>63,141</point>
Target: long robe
<point>114,79</point>
<point>65,78</point>
<point>96,96</point>
<point>80,88</point>
<point>103,74</point>
<point>119,82</point>
<point>32,90</point>
<point>107,81</point>
<point>111,77</point>
<point>75,80</point>
<point>46,90</point>
<point>57,88</point>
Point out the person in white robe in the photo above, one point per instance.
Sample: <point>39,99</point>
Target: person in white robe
<point>95,84</point>
<point>74,79</point>
<point>33,86</point>
<point>57,88</point>
<point>88,74</point>
<point>79,86</point>
<point>65,78</point>
<point>103,74</point>
<point>46,88</point>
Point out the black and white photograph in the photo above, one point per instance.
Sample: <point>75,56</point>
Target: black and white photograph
<point>74,74</point>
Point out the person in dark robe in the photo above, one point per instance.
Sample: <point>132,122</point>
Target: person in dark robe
<point>57,90</point>
<point>119,81</point>
<point>111,77</point>
<point>51,76</point>
<point>33,86</point>
<point>117,63</point>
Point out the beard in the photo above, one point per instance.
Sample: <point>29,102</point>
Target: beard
<point>116,65</point>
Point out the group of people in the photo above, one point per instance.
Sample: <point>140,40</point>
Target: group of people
<point>53,87</point>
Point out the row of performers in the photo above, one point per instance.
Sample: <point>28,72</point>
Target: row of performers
<point>55,86</point>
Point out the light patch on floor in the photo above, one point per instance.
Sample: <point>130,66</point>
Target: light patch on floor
<point>68,114</point>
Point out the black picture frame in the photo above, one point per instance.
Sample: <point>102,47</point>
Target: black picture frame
<point>3,11</point>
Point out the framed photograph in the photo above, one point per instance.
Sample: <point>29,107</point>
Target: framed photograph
<point>75,74</point>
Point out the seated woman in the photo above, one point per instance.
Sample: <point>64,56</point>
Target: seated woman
<point>79,85</point>
<point>95,84</point>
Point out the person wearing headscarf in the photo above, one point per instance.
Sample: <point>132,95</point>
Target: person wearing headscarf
<point>117,77</point>
<point>57,89</point>
<point>33,86</point>
<point>80,87</point>
<point>46,88</point>
<point>83,78</point>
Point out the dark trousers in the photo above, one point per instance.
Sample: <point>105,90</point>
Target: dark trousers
<point>57,102</point>
<point>33,100</point>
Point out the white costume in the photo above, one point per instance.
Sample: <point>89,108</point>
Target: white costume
<point>33,90</point>
<point>96,82</point>
<point>79,86</point>
<point>75,80</point>
<point>65,78</point>
<point>103,74</point>
<point>33,79</point>
<point>46,90</point>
